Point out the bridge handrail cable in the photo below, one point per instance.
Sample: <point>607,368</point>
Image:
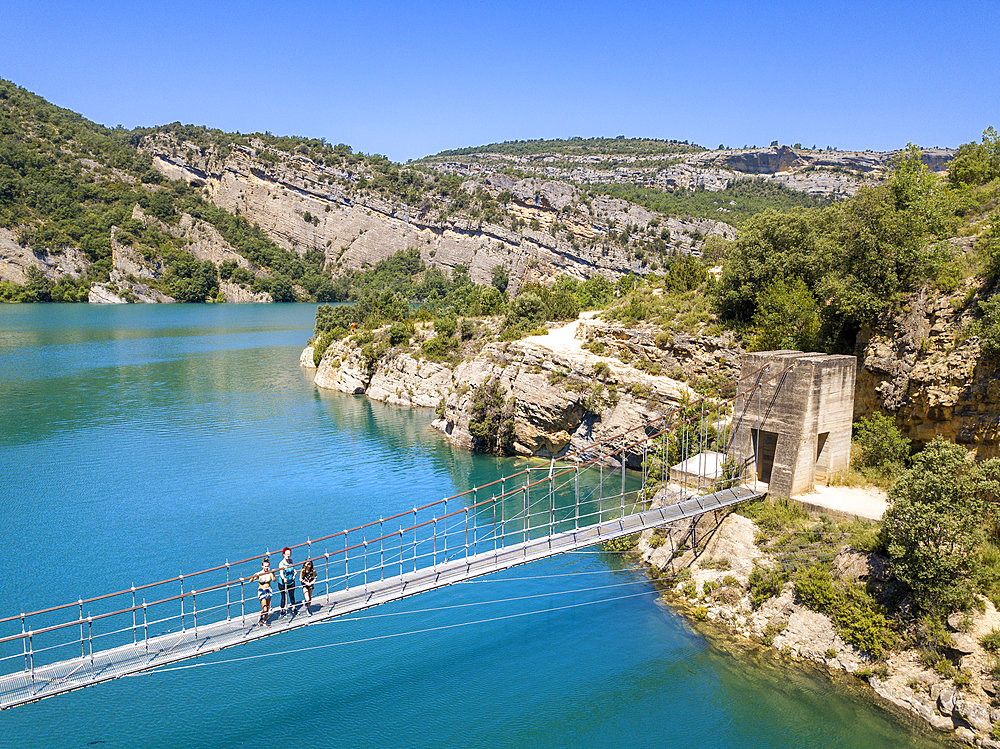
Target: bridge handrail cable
<point>524,472</point>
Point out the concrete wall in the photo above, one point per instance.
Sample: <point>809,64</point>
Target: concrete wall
<point>809,409</point>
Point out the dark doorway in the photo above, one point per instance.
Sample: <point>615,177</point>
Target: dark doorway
<point>821,458</point>
<point>764,446</point>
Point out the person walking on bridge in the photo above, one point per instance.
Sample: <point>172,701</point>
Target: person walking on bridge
<point>307,575</point>
<point>286,579</point>
<point>264,579</point>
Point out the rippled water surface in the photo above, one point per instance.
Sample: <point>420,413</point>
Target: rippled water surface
<point>137,442</point>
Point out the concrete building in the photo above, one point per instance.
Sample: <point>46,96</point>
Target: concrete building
<point>797,428</point>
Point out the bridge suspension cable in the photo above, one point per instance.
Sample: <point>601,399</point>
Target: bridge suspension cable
<point>533,513</point>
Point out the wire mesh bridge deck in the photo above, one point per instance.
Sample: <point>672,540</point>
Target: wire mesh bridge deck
<point>533,514</point>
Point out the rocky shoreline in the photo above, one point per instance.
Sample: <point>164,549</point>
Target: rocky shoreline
<point>705,571</point>
<point>561,394</point>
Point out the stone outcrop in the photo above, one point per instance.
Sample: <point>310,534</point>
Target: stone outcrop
<point>16,258</point>
<point>920,367</point>
<point>303,205</point>
<point>823,173</point>
<point>239,294</point>
<point>684,356</point>
<point>560,396</point>
<point>717,576</point>
<point>101,294</point>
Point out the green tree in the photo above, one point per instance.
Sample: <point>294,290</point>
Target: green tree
<point>769,246</point>
<point>526,311</point>
<point>500,278</point>
<point>976,163</point>
<point>491,422</point>
<point>933,528</point>
<point>787,317</point>
<point>879,443</point>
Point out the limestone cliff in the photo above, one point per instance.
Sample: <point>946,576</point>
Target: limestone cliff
<point>546,227</point>
<point>921,367</point>
<point>560,395</point>
<point>825,173</point>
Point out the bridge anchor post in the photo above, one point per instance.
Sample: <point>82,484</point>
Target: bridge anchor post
<point>31,657</point>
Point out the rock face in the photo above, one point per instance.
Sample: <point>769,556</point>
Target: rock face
<point>920,368</point>
<point>560,396</point>
<point>239,294</point>
<point>101,294</point>
<point>303,205</point>
<point>818,172</point>
<point>683,355</point>
<point>15,259</point>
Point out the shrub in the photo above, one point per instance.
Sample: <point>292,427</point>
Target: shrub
<point>830,653</point>
<point>467,329</point>
<point>321,345</point>
<point>400,333</point>
<point>881,444</point>
<point>446,325</point>
<point>708,587</point>
<point>859,620</point>
<point>933,528</point>
<point>621,544</point>
<point>437,348</point>
<point>814,588</point>
<point>690,590</point>
<point>991,641</point>
<point>765,584</point>
<point>491,421</point>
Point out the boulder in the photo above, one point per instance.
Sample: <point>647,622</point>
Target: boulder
<point>962,644</point>
<point>101,294</point>
<point>975,714</point>
<point>946,701</point>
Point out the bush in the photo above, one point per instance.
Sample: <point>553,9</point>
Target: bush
<point>437,348</point>
<point>622,544</point>
<point>933,528</point>
<point>446,325</point>
<point>765,584</point>
<point>467,329</point>
<point>527,311</point>
<point>991,641</point>
<point>491,421</point>
<point>400,333</point>
<point>988,328</point>
<point>880,443</point>
<point>814,588</point>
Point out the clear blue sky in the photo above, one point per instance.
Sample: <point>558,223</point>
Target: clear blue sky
<point>408,79</point>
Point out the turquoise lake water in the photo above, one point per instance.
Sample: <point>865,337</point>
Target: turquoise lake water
<point>137,442</point>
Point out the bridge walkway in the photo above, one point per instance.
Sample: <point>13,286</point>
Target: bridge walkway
<point>145,654</point>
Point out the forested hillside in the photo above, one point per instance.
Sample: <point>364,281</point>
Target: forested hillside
<point>188,213</point>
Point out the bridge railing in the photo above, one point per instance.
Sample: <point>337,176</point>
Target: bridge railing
<point>591,486</point>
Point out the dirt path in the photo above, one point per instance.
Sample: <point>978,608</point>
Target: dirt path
<point>563,340</point>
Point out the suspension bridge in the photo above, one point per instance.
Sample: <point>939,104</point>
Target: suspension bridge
<point>588,498</point>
